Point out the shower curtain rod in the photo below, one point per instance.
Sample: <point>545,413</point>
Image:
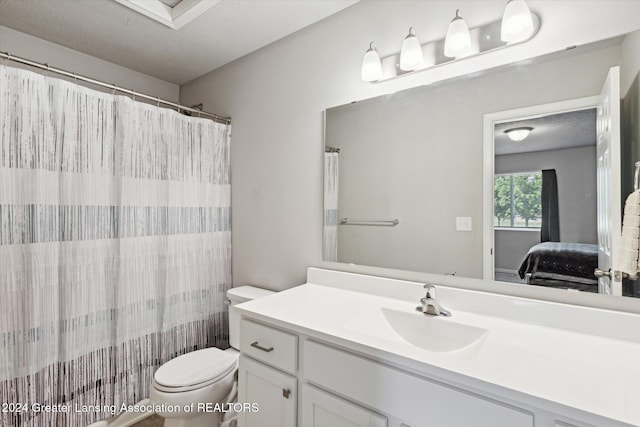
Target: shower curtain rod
<point>179,107</point>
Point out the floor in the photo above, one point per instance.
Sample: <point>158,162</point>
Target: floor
<point>152,421</point>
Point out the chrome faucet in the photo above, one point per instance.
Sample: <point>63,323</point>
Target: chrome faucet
<point>430,305</point>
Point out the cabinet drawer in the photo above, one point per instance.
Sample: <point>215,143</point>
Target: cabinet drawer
<point>409,397</point>
<point>271,346</point>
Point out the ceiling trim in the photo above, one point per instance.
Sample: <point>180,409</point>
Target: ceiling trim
<point>173,17</point>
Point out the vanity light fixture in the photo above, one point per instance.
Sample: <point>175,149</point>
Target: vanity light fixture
<point>518,25</point>
<point>458,40</point>
<point>371,66</point>
<point>517,22</point>
<point>411,52</point>
<point>518,134</point>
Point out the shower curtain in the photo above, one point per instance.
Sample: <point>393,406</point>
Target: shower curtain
<point>115,246</point>
<point>330,229</point>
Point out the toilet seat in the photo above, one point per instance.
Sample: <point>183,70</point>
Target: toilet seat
<point>194,370</point>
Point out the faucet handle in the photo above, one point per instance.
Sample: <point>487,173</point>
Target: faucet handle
<point>431,290</point>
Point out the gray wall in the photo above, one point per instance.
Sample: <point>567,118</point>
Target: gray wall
<point>630,92</point>
<point>630,134</point>
<point>39,50</point>
<point>511,246</point>
<point>276,97</point>
<point>402,156</point>
<point>630,62</point>
<point>576,173</point>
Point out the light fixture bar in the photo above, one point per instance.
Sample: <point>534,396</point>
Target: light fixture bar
<point>484,39</point>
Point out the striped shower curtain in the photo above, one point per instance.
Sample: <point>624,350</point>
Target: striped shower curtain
<point>115,246</point>
<point>330,229</point>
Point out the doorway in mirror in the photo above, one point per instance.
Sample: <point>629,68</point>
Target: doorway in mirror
<point>554,178</point>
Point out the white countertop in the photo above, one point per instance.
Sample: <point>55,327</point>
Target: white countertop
<point>543,365</point>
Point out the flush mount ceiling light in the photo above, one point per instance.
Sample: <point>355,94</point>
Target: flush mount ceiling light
<point>517,22</point>
<point>174,14</point>
<point>518,134</point>
<point>371,66</point>
<point>411,53</point>
<point>518,26</point>
<point>458,39</point>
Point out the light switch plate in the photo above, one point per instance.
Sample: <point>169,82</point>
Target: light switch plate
<point>463,223</point>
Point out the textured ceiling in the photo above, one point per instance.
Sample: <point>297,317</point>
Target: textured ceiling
<point>553,132</point>
<point>115,33</point>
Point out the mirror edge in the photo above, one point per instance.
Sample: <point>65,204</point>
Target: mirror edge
<point>582,299</point>
<point>561,296</point>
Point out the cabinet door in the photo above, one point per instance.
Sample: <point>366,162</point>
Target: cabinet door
<point>321,409</point>
<point>273,391</point>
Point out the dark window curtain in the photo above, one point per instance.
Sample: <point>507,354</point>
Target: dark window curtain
<point>550,229</point>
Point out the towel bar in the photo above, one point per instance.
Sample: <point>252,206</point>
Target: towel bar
<point>372,222</point>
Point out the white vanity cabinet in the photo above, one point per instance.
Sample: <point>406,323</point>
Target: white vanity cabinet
<point>341,389</point>
<point>302,381</point>
<point>268,376</point>
<point>265,353</point>
<point>357,353</point>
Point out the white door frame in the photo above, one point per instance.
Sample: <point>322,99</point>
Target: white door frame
<point>490,120</point>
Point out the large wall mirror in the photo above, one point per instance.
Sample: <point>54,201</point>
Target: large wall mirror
<point>405,183</point>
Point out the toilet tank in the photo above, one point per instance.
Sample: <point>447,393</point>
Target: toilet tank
<point>236,296</point>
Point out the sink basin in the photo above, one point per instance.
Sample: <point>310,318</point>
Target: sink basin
<point>432,333</point>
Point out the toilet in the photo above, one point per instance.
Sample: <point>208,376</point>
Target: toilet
<point>205,376</point>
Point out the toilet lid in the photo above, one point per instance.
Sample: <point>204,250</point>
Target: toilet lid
<point>195,367</point>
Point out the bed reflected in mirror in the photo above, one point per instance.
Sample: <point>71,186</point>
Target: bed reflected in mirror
<point>545,191</point>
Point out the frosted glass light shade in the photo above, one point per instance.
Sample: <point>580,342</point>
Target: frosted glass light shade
<point>371,65</point>
<point>458,40</point>
<point>517,23</point>
<point>411,53</point>
<point>518,134</point>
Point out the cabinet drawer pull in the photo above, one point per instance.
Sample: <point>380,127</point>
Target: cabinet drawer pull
<point>286,392</point>
<point>259,347</point>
